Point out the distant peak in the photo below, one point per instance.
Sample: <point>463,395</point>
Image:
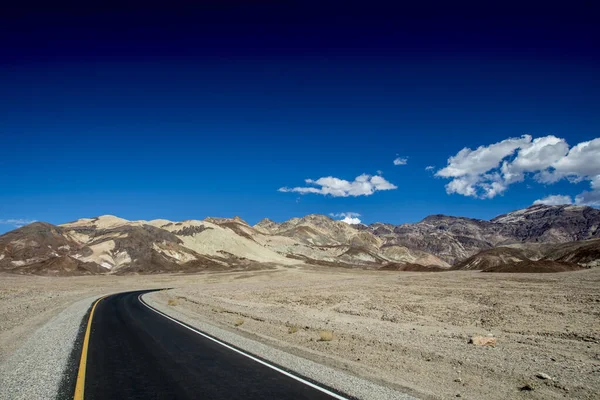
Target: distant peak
<point>267,221</point>
<point>218,220</point>
<point>240,220</point>
<point>110,217</point>
<point>317,217</point>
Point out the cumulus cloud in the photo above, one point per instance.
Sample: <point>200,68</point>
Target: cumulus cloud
<point>344,214</point>
<point>489,170</point>
<point>554,200</point>
<point>429,168</point>
<point>347,217</point>
<point>362,185</point>
<point>401,161</point>
<point>536,156</point>
<point>581,162</point>
<point>591,198</point>
<point>469,162</point>
<point>17,222</point>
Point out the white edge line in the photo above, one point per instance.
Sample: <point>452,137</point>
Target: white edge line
<point>332,394</point>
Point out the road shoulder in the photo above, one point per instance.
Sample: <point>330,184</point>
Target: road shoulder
<point>337,379</point>
<point>42,367</point>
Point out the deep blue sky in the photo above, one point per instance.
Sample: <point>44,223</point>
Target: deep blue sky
<point>188,113</point>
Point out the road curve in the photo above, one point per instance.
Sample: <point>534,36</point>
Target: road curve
<point>135,352</point>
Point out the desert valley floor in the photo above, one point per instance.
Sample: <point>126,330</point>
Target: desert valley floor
<point>408,330</point>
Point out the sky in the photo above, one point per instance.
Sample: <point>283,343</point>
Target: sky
<point>361,111</point>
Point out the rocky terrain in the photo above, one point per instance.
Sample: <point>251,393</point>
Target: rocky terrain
<point>108,244</point>
<point>412,330</point>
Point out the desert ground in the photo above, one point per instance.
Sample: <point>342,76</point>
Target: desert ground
<point>408,330</point>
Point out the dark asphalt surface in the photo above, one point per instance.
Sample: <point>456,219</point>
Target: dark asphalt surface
<point>135,353</point>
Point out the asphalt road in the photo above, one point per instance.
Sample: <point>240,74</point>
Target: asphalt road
<point>137,353</point>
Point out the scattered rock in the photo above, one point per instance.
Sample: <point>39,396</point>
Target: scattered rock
<point>483,341</point>
<point>459,380</point>
<point>527,388</point>
<point>542,375</point>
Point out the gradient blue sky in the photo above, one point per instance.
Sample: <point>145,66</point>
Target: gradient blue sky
<point>188,113</point>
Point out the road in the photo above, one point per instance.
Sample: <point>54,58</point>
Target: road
<point>135,352</point>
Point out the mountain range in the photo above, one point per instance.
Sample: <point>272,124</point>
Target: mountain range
<point>557,237</point>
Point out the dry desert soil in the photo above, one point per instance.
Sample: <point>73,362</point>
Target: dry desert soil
<point>407,330</point>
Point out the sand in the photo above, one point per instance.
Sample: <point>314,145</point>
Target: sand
<point>407,330</point>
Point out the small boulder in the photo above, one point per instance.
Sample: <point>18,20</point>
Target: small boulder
<point>527,387</point>
<point>483,341</point>
<point>544,376</point>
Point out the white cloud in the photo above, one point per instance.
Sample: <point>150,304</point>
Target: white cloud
<point>489,170</point>
<point>363,185</point>
<point>17,222</point>
<point>429,168</point>
<point>401,161</point>
<point>586,198</point>
<point>344,214</point>
<point>582,162</point>
<point>348,217</point>
<point>351,221</point>
<point>539,155</point>
<point>554,200</point>
<point>481,160</point>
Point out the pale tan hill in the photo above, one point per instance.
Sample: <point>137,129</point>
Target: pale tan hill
<point>320,230</point>
<point>320,239</point>
<point>265,225</point>
<point>101,222</point>
<point>222,241</point>
<point>221,221</point>
<point>134,247</point>
<point>175,243</point>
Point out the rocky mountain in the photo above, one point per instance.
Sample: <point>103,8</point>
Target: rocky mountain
<point>42,248</point>
<point>108,244</point>
<point>457,238</point>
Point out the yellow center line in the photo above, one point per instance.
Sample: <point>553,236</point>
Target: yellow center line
<point>80,386</point>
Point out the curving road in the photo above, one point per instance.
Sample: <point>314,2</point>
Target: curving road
<point>136,352</point>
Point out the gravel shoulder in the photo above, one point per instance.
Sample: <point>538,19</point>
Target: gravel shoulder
<point>34,371</point>
<point>340,380</point>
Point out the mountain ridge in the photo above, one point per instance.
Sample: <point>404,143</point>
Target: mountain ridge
<point>110,244</point>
